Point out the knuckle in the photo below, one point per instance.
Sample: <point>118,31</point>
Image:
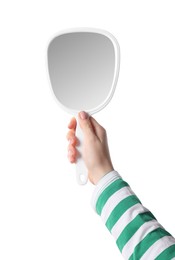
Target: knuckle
<point>70,135</point>
<point>70,147</point>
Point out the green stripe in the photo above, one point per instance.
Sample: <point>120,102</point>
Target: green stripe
<point>167,254</point>
<point>132,227</point>
<point>120,209</point>
<point>109,191</point>
<point>147,242</point>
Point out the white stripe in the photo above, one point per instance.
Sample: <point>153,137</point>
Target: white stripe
<point>114,200</point>
<point>140,234</point>
<point>126,218</point>
<point>158,247</point>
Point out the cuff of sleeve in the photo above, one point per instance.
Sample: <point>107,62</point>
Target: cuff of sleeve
<point>102,185</point>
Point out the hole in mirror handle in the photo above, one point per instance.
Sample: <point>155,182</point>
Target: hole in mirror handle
<point>81,170</point>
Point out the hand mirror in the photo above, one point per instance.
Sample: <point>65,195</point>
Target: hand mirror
<point>83,66</point>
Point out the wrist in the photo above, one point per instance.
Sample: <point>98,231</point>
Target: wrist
<point>100,172</point>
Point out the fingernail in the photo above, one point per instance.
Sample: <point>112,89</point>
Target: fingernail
<point>83,115</point>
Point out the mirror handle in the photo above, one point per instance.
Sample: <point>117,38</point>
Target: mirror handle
<point>81,170</point>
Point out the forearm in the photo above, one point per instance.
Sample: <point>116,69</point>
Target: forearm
<point>136,231</point>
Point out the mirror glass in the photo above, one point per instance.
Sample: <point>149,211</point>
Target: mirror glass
<point>82,69</point>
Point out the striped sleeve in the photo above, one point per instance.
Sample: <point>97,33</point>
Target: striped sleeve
<point>136,231</point>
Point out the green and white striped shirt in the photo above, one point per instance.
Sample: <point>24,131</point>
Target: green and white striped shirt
<point>136,231</point>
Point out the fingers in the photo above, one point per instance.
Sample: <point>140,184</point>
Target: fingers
<point>71,133</point>
<point>92,130</point>
<point>90,127</point>
<point>72,152</point>
<point>85,124</point>
<point>98,129</point>
<point>72,124</point>
<point>71,137</point>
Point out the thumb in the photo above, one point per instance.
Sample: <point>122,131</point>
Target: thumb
<point>85,124</point>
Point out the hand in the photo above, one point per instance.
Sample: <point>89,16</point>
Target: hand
<point>95,147</point>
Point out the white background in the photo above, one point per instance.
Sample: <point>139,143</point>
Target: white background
<point>44,214</point>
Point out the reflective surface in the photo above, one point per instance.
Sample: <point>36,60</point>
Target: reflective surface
<point>81,68</point>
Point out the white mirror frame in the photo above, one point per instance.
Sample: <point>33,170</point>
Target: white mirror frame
<point>116,69</point>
